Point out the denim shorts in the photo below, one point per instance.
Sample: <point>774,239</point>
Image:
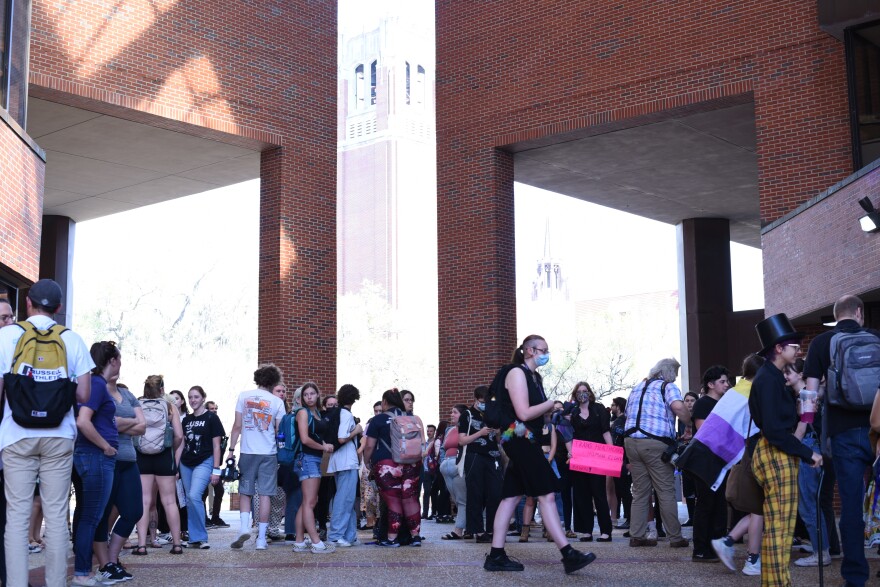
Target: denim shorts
<point>307,467</point>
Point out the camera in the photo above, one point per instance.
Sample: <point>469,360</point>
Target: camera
<point>672,453</point>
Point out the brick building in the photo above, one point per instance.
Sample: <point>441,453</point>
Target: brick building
<point>123,105</point>
<point>724,119</point>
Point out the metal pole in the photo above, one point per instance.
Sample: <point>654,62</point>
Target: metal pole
<point>819,519</point>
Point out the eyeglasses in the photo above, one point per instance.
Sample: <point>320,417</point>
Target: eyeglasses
<point>409,400</point>
<point>545,351</point>
<point>796,347</point>
<point>7,317</point>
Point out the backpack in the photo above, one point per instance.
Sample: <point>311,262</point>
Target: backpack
<point>38,386</point>
<point>159,433</point>
<point>334,416</point>
<point>406,439</point>
<point>854,374</point>
<point>292,447</point>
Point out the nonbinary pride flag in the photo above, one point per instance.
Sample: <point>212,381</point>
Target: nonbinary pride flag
<point>596,458</point>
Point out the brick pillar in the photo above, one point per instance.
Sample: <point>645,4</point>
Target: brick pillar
<point>477,301</point>
<point>705,296</point>
<point>297,321</point>
<point>56,259</point>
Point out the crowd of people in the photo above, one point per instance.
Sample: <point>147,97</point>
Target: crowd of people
<point>147,467</point>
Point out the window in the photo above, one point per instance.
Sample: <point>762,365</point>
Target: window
<point>407,82</point>
<point>863,73</point>
<point>420,86</point>
<point>360,91</point>
<point>15,16</point>
<point>373,83</point>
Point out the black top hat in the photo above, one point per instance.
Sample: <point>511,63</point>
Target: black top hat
<point>775,329</point>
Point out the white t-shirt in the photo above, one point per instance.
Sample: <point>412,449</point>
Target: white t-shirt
<point>261,412</point>
<point>345,457</point>
<point>79,362</point>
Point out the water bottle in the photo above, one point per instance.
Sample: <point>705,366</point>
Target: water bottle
<point>280,439</point>
<point>808,405</point>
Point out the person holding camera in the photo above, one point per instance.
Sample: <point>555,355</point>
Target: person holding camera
<point>652,407</point>
<point>591,423</point>
<point>710,513</point>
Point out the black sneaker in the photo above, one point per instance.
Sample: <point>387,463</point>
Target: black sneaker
<point>502,562</point>
<point>219,523</point>
<point>576,560</point>
<point>388,543</point>
<point>484,538</point>
<point>704,557</point>
<point>121,572</point>
<point>108,575</point>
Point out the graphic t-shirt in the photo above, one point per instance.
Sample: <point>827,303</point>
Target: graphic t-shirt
<point>470,423</point>
<point>260,412</point>
<point>198,435</point>
<point>104,417</point>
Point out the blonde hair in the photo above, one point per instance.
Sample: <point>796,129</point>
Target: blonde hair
<point>154,387</point>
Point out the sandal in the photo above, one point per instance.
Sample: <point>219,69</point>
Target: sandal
<point>467,536</point>
<point>177,549</point>
<point>451,536</point>
<point>139,551</point>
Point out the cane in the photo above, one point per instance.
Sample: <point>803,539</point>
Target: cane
<point>819,519</point>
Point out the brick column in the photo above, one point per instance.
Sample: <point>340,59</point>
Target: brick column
<point>56,259</point>
<point>475,246</point>
<point>297,322</point>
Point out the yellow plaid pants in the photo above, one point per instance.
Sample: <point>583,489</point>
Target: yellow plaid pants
<point>777,472</point>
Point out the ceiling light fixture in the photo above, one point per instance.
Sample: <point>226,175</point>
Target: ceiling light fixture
<point>870,222</point>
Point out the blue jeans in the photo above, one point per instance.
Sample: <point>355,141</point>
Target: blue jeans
<point>852,455</point>
<point>95,472</point>
<point>293,491</point>
<point>808,488</point>
<point>195,482</point>
<point>343,522</point>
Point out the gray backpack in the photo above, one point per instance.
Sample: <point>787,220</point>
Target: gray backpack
<point>854,374</point>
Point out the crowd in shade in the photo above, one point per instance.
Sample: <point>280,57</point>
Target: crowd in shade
<point>755,455</point>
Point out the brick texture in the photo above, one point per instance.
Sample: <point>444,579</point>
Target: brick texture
<point>531,71</point>
<point>21,203</point>
<point>256,74</point>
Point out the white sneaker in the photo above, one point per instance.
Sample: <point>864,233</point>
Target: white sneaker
<point>262,544</point>
<point>752,570</point>
<point>342,543</point>
<point>813,560</point>
<point>724,552</point>
<point>324,548</point>
<point>85,581</point>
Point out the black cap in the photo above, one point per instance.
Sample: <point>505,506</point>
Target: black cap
<point>775,329</point>
<point>46,293</point>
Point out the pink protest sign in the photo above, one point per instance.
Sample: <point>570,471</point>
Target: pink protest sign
<point>596,458</point>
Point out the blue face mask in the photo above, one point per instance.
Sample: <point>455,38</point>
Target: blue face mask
<point>542,360</point>
<point>480,406</point>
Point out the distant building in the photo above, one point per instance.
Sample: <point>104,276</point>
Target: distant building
<point>551,283</point>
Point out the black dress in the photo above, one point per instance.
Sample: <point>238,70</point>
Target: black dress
<point>589,489</point>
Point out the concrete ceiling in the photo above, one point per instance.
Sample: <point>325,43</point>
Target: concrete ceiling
<point>703,165</point>
<point>98,165</point>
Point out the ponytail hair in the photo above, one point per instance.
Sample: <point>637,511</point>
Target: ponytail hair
<point>519,357</point>
<point>102,353</point>
<point>393,398</point>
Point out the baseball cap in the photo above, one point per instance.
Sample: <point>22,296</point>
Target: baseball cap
<point>46,293</point>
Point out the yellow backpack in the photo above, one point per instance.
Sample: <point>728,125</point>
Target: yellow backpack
<point>38,386</point>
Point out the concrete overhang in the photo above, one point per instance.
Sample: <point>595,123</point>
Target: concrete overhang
<point>98,165</point>
<point>700,165</point>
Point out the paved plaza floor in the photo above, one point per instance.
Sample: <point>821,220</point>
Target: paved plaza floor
<point>436,562</point>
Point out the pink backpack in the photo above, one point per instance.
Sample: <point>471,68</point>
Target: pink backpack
<point>407,435</point>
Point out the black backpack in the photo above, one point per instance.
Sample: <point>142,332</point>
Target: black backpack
<point>332,417</point>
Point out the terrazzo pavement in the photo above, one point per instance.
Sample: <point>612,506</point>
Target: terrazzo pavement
<point>437,562</point>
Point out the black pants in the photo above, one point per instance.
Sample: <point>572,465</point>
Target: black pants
<point>482,476</point>
<point>427,480</point>
<point>589,490</point>
<point>326,491</point>
<point>217,503</point>
<point>566,491</point>
<point>710,517</point>
<point>2,528</point>
<point>440,497</point>
<point>623,489</point>
<point>826,497</point>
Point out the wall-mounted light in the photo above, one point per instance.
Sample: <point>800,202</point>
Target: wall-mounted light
<point>870,222</point>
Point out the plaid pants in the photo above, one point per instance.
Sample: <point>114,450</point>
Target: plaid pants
<point>777,472</point>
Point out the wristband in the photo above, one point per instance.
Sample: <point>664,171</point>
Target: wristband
<point>216,471</point>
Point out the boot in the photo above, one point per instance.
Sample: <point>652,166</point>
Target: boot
<point>524,533</point>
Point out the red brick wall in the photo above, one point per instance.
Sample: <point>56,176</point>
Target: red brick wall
<point>21,202</point>
<point>527,70</point>
<point>823,252</point>
<point>259,74</point>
